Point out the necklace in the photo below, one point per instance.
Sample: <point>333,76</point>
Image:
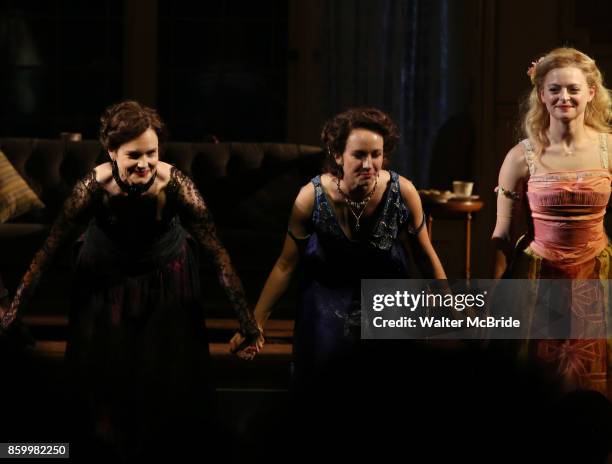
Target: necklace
<point>353,205</point>
<point>132,189</point>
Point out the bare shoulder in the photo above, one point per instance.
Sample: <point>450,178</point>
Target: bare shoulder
<point>384,177</point>
<point>411,197</point>
<point>515,162</point>
<point>164,171</point>
<point>516,154</point>
<point>304,202</point>
<point>328,181</point>
<point>104,174</point>
<point>408,191</point>
<point>407,187</point>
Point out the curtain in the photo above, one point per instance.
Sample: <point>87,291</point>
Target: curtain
<point>396,55</point>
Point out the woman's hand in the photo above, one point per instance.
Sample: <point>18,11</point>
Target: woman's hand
<point>247,347</point>
<point>7,317</point>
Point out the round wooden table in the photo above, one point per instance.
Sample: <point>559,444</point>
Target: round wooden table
<point>454,209</point>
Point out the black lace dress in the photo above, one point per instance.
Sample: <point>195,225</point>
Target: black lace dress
<point>137,348</point>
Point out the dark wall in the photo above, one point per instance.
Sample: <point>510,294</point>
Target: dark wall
<point>223,68</point>
<point>211,68</point>
<point>61,64</point>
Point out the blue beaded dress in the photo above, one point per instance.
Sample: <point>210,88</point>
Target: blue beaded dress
<point>329,304</point>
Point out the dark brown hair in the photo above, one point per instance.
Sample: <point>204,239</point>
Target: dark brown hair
<point>125,121</point>
<point>336,131</point>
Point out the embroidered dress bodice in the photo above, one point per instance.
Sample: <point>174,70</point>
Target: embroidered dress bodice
<point>568,208</point>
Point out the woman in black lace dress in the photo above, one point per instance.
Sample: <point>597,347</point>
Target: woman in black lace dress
<point>137,341</point>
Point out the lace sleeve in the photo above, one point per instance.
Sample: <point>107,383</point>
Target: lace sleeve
<point>197,219</point>
<point>76,211</point>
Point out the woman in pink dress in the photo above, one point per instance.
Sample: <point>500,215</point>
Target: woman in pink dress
<point>560,173</point>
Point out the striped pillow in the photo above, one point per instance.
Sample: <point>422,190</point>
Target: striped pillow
<point>16,197</point>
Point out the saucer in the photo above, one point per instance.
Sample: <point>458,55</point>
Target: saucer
<point>465,197</point>
<point>436,196</point>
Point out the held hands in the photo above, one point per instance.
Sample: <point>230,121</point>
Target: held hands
<point>247,346</point>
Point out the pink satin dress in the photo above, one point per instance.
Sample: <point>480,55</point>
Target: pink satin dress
<point>569,242</point>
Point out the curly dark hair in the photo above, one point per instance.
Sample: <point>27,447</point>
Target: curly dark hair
<point>336,131</point>
<point>125,121</point>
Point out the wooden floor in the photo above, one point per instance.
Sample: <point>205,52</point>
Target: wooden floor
<point>279,334</point>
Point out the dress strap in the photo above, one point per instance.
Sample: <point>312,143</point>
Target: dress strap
<point>416,230</point>
<point>603,152</point>
<point>529,156</point>
<point>318,188</point>
<point>298,240</point>
<point>322,213</point>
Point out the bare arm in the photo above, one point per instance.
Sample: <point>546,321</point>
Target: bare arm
<point>512,178</point>
<point>281,273</point>
<point>283,270</point>
<point>197,219</point>
<point>76,212</point>
<point>426,256</point>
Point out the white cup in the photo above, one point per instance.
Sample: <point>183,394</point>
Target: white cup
<point>462,188</point>
<point>71,136</point>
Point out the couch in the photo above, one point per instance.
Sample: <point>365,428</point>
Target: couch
<point>249,188</point>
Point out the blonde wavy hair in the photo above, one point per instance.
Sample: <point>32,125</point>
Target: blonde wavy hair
<point>598,112</point>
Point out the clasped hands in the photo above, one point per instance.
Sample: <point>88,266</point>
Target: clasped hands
<point>247,347</point>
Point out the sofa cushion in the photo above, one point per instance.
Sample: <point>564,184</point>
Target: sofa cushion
<point>51,168</point>
<point>247,185</point>
<point>16,197</point>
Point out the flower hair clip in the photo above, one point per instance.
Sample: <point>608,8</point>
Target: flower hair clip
<point>532,69</point>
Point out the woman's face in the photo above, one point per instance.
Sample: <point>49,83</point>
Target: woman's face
<point>566,93</point>
<point>137,159</point>
<point>362,159</point>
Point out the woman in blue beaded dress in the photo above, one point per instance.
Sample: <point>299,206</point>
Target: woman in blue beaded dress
<point>357,221</point>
